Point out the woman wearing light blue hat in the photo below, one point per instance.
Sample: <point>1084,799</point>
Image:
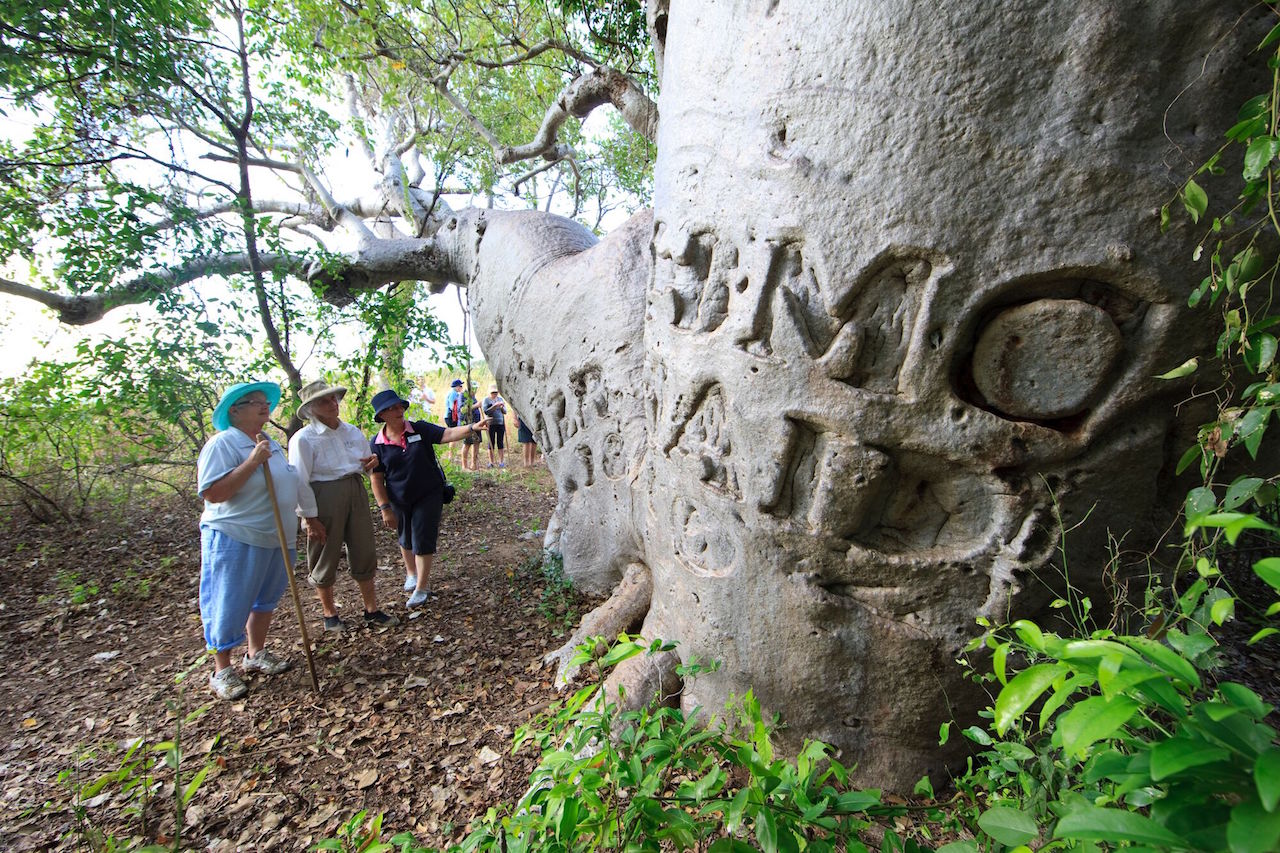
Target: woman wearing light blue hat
<point>242,570</point>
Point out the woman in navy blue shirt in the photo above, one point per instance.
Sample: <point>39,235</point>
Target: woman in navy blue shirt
<point>408,482</point>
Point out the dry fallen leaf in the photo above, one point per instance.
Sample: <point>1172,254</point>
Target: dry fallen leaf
<point>367,778</point>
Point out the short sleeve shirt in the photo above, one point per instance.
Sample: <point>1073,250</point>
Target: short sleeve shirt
<point>492,411</point>
<point>412,471</point>
<point>247,516</point>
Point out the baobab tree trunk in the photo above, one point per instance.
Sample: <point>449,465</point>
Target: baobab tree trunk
<point>890,331</point>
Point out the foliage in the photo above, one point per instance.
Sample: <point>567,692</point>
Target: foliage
<point>134,779</point>
<point>652,779</point>
<point>1132,741</point>
<point>559,602</point>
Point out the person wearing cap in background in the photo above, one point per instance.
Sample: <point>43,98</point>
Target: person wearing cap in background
<point>331,457</point>
<point>454,407</point>
<point>409,484</point>
<point>242,569</point>
<point>493,408</point>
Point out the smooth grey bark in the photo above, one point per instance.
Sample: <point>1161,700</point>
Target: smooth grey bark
<point>890,331</point>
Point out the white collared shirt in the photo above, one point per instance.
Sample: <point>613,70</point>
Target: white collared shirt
<point>321,454</point>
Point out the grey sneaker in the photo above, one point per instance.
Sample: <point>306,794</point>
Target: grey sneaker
<point>379,619</point>
<point>266,663</point>
<point>410,583</point>
<point>226,684</point>
<point>334,624</point>
<point>418,599</point>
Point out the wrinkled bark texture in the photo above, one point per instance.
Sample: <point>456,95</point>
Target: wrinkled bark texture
<point>903,291</point>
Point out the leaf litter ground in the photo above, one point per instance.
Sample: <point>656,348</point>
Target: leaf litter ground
<point>415,722</point>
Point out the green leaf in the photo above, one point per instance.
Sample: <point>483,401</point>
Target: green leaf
<point>1016,696</point>
<point>1008,826</point>
<point>1269,571</point>
<point>1165,658</point>
<point>1092,720</point>
<point>1187,368</point>
<point>1194,453</point>
<point>1266,775</point>
<point>1270,38</point>
<point>194,785</point>
<point>1200,502</point>
<point>1265,346</point>
<point>1177,754</point>
<point>766,831</point>
<point>851,802</point>
<point>1094,823</point>
<point>730,845</point>
<point>1232,524</point>
<point>1252,829</point>
<point>923,787</point>
<point>1189,645</point>
<point>959,847</point>
<point>998,659</point>
<point>1258,156</point>
<point>1030,633</point>
<point>1195,200</point>
<point>1222,610</point>
<point>1240,491</point>
<point>620,652</point>
<point>1262,634</point>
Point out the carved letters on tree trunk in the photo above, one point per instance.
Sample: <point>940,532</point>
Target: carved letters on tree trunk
<point>891,328</point>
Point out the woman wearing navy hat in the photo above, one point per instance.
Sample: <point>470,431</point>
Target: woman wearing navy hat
<point>408,483</point>
<point>242,572</point>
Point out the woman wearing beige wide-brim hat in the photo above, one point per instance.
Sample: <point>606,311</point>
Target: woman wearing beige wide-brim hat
<point>332,457</point>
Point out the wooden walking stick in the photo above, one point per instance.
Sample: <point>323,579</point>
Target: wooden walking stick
<point>288,570</point>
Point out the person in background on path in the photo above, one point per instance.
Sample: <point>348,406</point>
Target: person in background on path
<point>454,406</point>
<point>524,435</point>
<point>493,409</point>
<point>471,444</point>
<point>331,457</point>
<point>409,484</point>
<point>423,397</point>
<point>242,570</point>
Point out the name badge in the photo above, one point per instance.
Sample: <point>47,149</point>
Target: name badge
<point>411,439</point>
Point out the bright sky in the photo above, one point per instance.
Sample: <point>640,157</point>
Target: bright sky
<point>28,331</point>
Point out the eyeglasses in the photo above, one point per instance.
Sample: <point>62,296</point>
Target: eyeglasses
<point>258,401</point>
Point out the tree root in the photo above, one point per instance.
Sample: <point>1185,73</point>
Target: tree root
<point>624,609</point>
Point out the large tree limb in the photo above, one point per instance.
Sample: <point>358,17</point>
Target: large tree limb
<point>83,308</point>
<point>578,99</point>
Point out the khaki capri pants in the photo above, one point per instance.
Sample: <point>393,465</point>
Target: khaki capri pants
<point>343,508</point>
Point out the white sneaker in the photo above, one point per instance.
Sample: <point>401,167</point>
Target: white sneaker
<point>266,663</point>
<point>226,684</point>
<point>410,583</point>
<point>418,599</point>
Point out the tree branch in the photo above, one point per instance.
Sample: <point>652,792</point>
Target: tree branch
<point>338,212</point>
<point>84,308</point>
<point>578,99</point>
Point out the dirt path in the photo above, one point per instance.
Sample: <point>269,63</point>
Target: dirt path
<point>415,721</point>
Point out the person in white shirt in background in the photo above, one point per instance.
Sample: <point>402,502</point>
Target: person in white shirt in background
<point>332,458</point>
<point>424,398</point>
